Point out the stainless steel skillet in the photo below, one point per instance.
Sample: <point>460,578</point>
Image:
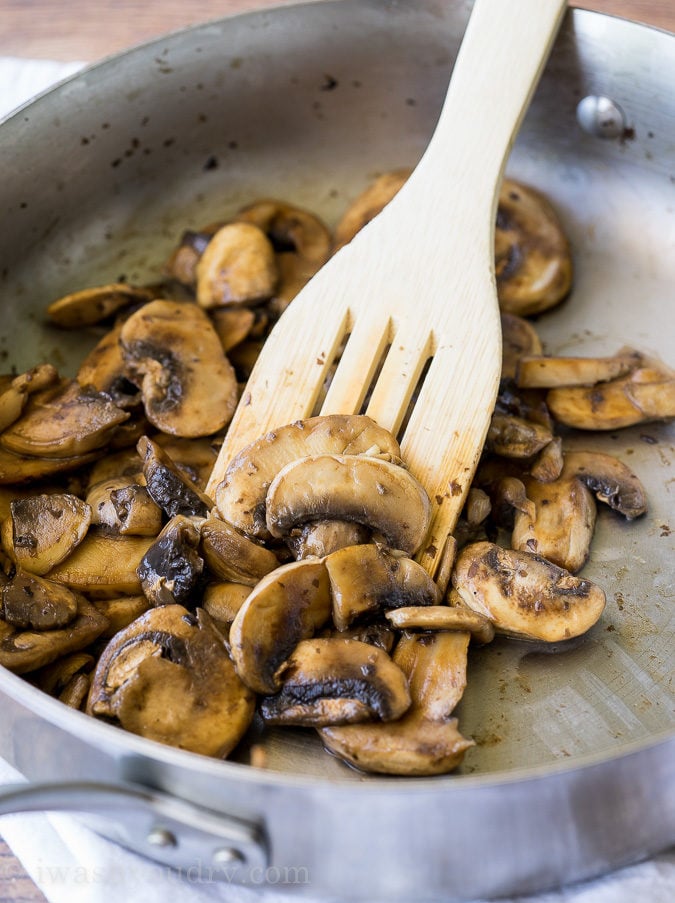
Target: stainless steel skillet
<point>573,773</point>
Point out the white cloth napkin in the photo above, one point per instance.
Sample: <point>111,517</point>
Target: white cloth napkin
<point>70,864</point>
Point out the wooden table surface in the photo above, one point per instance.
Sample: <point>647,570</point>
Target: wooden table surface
<point>90,29</point>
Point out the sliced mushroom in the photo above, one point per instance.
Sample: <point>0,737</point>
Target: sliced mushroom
<point>548,465</point>
<point>91,305</point>
<point>18,469</point>
<point>124,507</point>
<point>442,617</point>
<point>105,369</point>
<point>508,496</point>
<point>240,496</point>
<point>513,437</point>
<point>337,681</point>
<point>612,482</point>
<point>316,540</point>
<point>123,463</point>
<point>43,530</point>
<point>647,393</point>
<point>287,606</point>
<point>560,524</point>
<point>171,569</point>
<point>31,602</point>
<point>223,601</point>
<point>425,741</point>
<point>168,677</point>
<point>28,650</point>
<point>477,506</point>
<point>14,396</point>
<point>532,255</point>
<point>170,489</point>
<point>237,267</point>
<point>120,612</point>
<point>182,265</point>
<point>62,423</point>
<point>193,457</point>
<point>366,490</point>
<point>231,556</point>
<point>368,579</point>
<point>244,356</point>
<point>368,204</point>
<point>519,338</point>
<point>540,372</point>
<point>104,565</point>
<point>378,635</point>
<point>188,385</point>
<point>58,677</point>
<point>525,595</point>
<point>232,325</point>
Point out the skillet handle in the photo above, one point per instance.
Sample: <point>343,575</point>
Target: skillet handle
<point>160,827</point>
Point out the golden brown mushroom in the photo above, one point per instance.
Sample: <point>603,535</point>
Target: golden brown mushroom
<point>91,305</point>
<point>519,338</point>
<point>610,479</point>
<point>232,556</point>
<point>125,507</point>
<point>368,204</point>
<point>15,395</point>
<point>43,530</point>
<point>237,267</point>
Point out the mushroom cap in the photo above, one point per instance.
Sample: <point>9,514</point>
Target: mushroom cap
<point>232,556</point>
<point>171,569</point>
<point>237,267</point>
<point>169,487</point>
<point>610,479</point>
<point>91,305</point>
<point>367,490</point>
<point>240,497</point>
<point>43,530</point>
<point>31,602</point>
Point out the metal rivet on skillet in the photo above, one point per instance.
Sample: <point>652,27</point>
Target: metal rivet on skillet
<point>227,856</point>
<point>601,116</point>
<point>160,837</point>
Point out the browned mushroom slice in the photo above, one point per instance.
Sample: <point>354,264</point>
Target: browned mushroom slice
<point>337,681</point>
<point>14,396</point>
<point>104,565</point>
<point>182,265</point>
<point>316,540</point>
<point>294,274</point>
<point>612,482</point>
<point>367,490</point>
<point>62,677</point>
<point>513,437</point>
<point>28,650</point>
<point>188,385</point>
<point>237,267</point>
<point>172,490</point>
<point>368,204</point>
<point>240,497</point>
<point>124,507</point>
<point>223,601</point>
<point>43,530</point>
<point>289,228</point>
<point>425,741</point>
<point>91,305</point>
<point>31,602</point>
<point>70,421</point>
<point>19,469</point>
<point>560,525</point>
<point>509,495</point>
<point>120,612</point>
<point>378,635</point>
<point>549,463</point>
<point>368,579</point>
<point>193,457</point>
<point>171,569</point>
<point>647,393</point>
<point>232,556</point>
<point>105,369</point>
<point>532,256</point>
<point>287,606</point>
<point>244,356</point>
<point>519,338</point>
<point>540,372</point>
<point>232,324</point>
<point>477,506</point>
<point>168,677</point>
<point>442,617</point>
<point>525,595</point>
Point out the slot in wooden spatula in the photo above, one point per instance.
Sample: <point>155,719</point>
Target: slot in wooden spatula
<point>414,291</point>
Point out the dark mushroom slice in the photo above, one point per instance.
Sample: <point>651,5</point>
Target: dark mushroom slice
<point>560,525</point>
<point>237,267</point>
<point>240,496</point>
<point>514,437</point>
<point>316,540</point>
<point>287,606</point>
<point>14,396</point>
<point>532,255</point>
<point>193,457</point>
<point>542,372</point>
<point>30,602</point>
<point>168,487</point>
<point>442,617</point>
<point>610,479</point>
<point>104,565</point>
<point>368,579</point>
<point>519,338</point>
<point>232,324</point>
<point>60,424</point>
<point>645,394</point>
<point>382,496</point>
<point>189,388</point>
<point>125,507</point>
<point>105,369</point>
<point>22,651</point>
<point>425,741</point>
<point>528,404</point>
<point>91,305</point>
<point>525,595</point>
<point>244,356</point>
<point>379,635</point>
<point>120,612</point>
<point>168,677</point>
<point>231,556</point>
<point>171,571</point>
<point>368,204</point>
<point>43,530</point>
<point>337,681</point>
<point>548,465</point>
<point>224,600</point>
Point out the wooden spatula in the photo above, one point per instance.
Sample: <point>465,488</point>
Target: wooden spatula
<point>415,291</point>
